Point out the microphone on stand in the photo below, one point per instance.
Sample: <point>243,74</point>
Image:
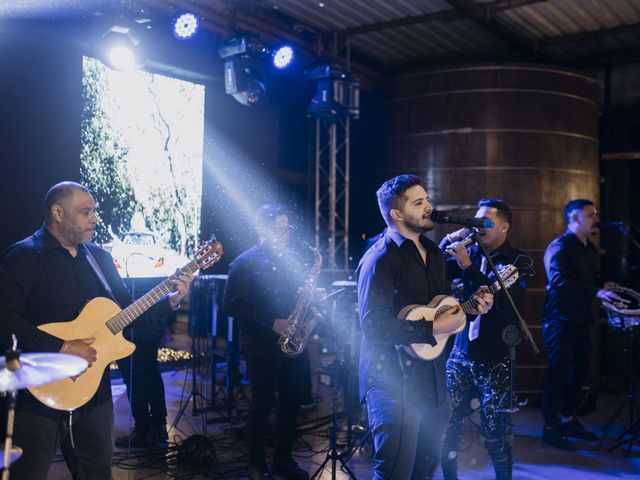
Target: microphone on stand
<point>612,224</point>
<point>470,222</point>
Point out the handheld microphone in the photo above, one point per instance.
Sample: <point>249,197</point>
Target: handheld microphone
<point>466,242</point>
<point>444,217</point>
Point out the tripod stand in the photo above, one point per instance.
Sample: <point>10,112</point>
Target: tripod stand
<point>630,398</point>
<point>333,455</point>
<point>195,394</point>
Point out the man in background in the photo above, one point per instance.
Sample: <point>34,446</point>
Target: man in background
<point>261,292</point>
<point>571,263</point>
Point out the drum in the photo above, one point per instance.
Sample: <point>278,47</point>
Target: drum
<point>623,313</point>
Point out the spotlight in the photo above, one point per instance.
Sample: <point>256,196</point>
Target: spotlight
<point>283,57</point>
<point>185,25</point>
<point>245,57</point>
<point>243,82</point>
<point>233,46</point>
<point>119,47</point>
<point>337,95</point>
<point>121,58</point>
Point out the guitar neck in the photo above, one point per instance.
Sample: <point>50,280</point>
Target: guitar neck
<point>470,303</point>
<point>148,300</point>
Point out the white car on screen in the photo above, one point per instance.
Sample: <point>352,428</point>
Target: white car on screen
<point>141,253</point>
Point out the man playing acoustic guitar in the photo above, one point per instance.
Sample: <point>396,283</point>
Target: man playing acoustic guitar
<point>406,396</point>
<point>49,277</point>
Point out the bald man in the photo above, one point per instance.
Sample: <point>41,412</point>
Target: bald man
<point>48,277</point>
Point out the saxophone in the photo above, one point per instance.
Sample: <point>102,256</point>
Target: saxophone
<point>305,315</point>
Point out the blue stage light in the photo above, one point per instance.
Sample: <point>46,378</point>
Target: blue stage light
<point>283,57</point>
<point>185,25</point>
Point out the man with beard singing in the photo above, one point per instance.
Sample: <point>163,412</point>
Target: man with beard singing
<point>406,396</point>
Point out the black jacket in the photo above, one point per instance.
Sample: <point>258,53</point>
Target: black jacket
<point>489,344</point>
<point>572,270</point>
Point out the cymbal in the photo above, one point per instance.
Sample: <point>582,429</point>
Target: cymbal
<point>39,369</point>
<point>13,456</point>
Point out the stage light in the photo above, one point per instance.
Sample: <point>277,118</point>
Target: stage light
<point>185,25</point>
<point>233,46</point>
<point>243,82</point>
<point>121,58</point>
<point>283,57</point>
<point>245,57</point>
<point>119,47</point>
<point>337,95</point>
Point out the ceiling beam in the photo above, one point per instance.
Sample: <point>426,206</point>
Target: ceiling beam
<point>440,59</point>
<point>620,56</point>
<point>442,15</point>
<point>600,59</point>
<point>484,18</point>
<point>594,35</point>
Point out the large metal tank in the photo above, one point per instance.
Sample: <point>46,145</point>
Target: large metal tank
<point>527,134</point>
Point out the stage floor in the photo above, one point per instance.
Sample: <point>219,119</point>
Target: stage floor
<point>210,445</point>
<point>533,459</point>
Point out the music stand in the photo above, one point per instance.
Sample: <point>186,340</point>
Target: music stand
<point>202,338</point>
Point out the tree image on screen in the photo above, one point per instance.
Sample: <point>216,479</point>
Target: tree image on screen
<point>142,150</point>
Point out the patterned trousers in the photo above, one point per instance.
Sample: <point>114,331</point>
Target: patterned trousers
<point>489,381</point>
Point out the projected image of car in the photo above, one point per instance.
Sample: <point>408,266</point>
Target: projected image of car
<point>140,253</point>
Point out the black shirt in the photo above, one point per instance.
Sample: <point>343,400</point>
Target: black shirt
<point>41,282</point>
<point>572,268</point>
<point>488,346</point>
<point>392,275</point>
<point>260,288</point>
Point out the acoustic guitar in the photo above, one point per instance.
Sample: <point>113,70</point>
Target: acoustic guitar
<point>442,303</point>
<point>102,319</point>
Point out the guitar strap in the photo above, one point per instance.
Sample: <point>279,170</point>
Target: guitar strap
<point>95,266</point>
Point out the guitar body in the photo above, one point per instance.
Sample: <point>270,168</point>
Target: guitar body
<point>430,312</point>
<point>71,393</point>
<point>440,304</point>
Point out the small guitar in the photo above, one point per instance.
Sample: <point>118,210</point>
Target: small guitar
<point>440,304</point>
<point>103,319</point>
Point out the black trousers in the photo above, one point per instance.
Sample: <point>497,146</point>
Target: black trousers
<point>568,347</point>
<point>145,388</point>
<point>40,436</point>
<point>272,372</point>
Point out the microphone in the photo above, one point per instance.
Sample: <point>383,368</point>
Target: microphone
<point>444,217</point>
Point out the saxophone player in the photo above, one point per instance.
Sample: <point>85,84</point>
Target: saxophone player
<point>261,291</point>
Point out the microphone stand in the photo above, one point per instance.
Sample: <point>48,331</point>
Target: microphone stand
<point>626,233</point>
<point>512,337</point>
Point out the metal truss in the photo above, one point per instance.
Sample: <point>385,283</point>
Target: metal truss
<point>332,154</point>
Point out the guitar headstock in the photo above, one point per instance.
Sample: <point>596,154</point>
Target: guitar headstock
<point>208,253</point>
<point>509,275</point>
